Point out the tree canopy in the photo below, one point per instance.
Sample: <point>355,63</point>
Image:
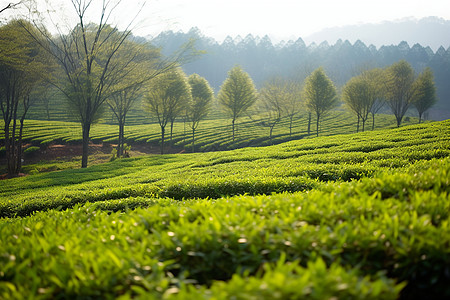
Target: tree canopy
<point>198,107</point>
<point>237,94</point>
<point>361,92</point>
<point>168,95</point>
<point>23,66</point>
<point>425,92</point>
<point>400,88</point>
<point>320,94</point>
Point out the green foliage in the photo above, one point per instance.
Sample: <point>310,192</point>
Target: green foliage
<point>319,93</point>
<point>237,94</point>
<point>24,65</point>
<point>292,281</point>
<point>424,92</point>
<point>202,95</point>
<point>362,216</point>
<point>198,108</point>
<point>356,229</point>
<point>400,88</point>
<point>214,134</point>
<point>168,96</point>
<point>362,92</point>
<point>31,150</point>
<point>293,166</point>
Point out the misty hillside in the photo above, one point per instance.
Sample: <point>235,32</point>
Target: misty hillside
<point>295,59</point>
<point>431,31</point>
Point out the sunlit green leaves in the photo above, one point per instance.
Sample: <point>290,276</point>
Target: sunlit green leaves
<point>360,217</point>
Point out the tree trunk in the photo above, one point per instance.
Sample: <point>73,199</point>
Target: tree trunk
<point>163,129</point>
<point>309,122</point>
<point>420,118</point>
<point>232,125</point>
<point>193,139</point>
<point>85,154</point>
<point>47,109</point>
<point>10,149</point>
<point>19,146</point>
<point>373,121</point>
<point>363,124</point>
<point>7,146</point>
<point>12,156</point>
<point>317,125</point>
<point>171,131</point>
<point>290,125</point>
<point>357,125</point>
<point>121,139</point>
<point>184,130</point>
<point>270,134</point>
<point>399,120</point>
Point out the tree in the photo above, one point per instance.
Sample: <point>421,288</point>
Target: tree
<point>377,106</point>
<point>319,93</point>
<point>87,56</point>
<point>23,66</point>
<point>293,102</point>
<point>400,88</point>
<point>168,94</point>
<point>425,92</point>
<point>273,98</point>
<point>360,94</point>
<point>144,64</point>
<point>198,107</point>
<point>377,78</point>
<point>237,94</point>
<point>90,64</point>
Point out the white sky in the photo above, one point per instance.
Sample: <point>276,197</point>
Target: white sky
<point>285,19</point>
<point>280,19</point>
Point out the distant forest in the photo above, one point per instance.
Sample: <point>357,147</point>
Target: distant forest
<point>294,59</point>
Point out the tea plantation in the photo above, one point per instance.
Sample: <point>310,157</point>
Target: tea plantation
<point>211,135</point>
<point>359,216</point>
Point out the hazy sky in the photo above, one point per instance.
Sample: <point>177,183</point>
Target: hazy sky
<point>284,19</point>
<point>280,19</point>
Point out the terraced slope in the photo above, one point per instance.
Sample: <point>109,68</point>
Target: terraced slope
<point>361,216</point>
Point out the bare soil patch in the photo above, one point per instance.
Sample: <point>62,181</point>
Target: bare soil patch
<point>68,152</point>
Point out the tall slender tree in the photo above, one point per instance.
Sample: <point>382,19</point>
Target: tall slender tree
<point>197,110</point>
<point>23,66</point>
<point>273,100</point>
<point>168,94</point>
<point>377,78</point>
<point>87,56</point>
<point>400,88</point>
<point>237,94</point>
<point>293,102</point>
<point>144,63</point>
<point>360,94</point>
<point>319,93</point>
<point>425,92</point>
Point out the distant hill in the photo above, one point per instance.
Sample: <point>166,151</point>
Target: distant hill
<point>341,59</point>
<point>431,31</point>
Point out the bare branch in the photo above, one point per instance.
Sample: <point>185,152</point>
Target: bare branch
<point>10,6</point>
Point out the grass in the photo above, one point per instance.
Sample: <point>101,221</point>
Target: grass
<point>357,216</point>
<point>212,134</point>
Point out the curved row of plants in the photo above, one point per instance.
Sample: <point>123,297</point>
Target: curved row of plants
<point>361,216</point>
<point>380,237</point>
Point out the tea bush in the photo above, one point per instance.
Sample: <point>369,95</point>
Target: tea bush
<point>332,217</point>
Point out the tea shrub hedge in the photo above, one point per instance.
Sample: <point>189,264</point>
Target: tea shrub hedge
<point>333,217</point>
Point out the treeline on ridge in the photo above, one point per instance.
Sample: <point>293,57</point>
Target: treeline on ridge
<point>262,60</point>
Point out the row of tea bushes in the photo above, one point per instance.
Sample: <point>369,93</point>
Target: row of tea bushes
<point>364,239</point>
<point>293,166</point>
